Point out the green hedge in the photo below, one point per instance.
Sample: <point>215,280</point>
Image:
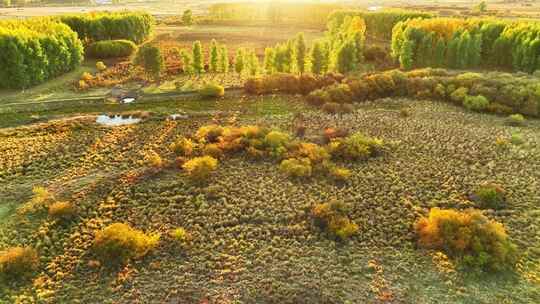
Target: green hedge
<point>378,24</point>
<point>134,26</point>
<point>495,92</point>
<point>34,50</point>
<point>111,49</point>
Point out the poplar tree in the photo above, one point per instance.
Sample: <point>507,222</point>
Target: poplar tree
<point>223,65</point>
<point>198,59</point>
<point>346,57</point>
<point>406,59</point>
<point>300,50</point>
<point>317,58</point>
<point>187,62</point>
<point>239,61</point>
<point>463,50</point>
<point>269,57</point>
<point>214,57</point>
<point>439,56</point>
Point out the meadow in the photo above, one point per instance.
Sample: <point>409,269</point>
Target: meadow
<point>196,159</point>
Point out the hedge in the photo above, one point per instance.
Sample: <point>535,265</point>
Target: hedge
<point>34,50</point>
<point>111,49</point>
<point>134,26</point>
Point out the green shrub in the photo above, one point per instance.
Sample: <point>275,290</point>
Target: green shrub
<point>340,93</point>
<point>212,90</point>
<point>62,211</point>
<point>476,103</point>
<point>199,169</point>
<point>490,196</point>
<point>18,262</point>
<point>149,57</point>
<point>118,243</point>
<point>458,96</point>
<point>339,174</point>
<point>468,236</point>
<point>332,217</point>
<point>111,49</point>
<point>276,140</point>
<point>294,167</point>
<point>515,120</point>
<point>517,139</point>
<point>356,147</point>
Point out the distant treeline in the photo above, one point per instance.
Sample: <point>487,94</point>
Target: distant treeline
<point>467,43</point>
<point>34,50</point>
<point>379,24</point>
<point>134,26</point>
<point>305,13</point>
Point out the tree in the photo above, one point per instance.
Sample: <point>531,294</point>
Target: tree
<point>198,59</point>
<point>223,65</point>
<point>481,7</point>
<point>239,61</point>
<point>149,57</point>
<point>289,57</point>
<point>452,51</point>
<point>439,54</point>
<point>406,58</point>
<point>475,50</point>
<point>346,57</point>
<point>214,56</point>
<point>463,50</point>
<point>300,48</point>
<point>280,60</point>
<point>187,62</point>
<point>269,57</point>
<point>317,58</point>
<point>252,63</point>
<point>187,17</point>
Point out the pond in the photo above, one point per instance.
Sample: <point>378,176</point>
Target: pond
<point>116,120</point>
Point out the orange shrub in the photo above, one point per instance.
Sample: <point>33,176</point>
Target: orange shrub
<point>62,210</point>
<point>18,262</point>
<point>333,218</point>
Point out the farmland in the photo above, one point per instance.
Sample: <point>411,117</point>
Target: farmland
<point>203,159</point>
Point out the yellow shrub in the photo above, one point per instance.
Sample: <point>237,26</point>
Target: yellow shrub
<point>468,236</point>
<point>18,262</point>
<point>100,66</point>
<point>119,242</point>
<point>200,168</point>
<point>86,77</point>
<point>154,160</point>
<point>213,150</point>
<point>333,218</point>
<point>296,167</point>
<point>180,236</point>
<point>339,174</point>
<point>62,210</point>
<point>183,146</point>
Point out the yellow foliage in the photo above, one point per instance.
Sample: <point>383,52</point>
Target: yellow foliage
<point>200,168</point>
<point>17,262</point>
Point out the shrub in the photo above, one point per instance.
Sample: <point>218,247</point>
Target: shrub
<point>340,93</point>
<point>490,196</point>
<point>213,150</point>
<point>153,160</point>
<point>87,77</point>
<point>254,86</point>
<point>356,147</point>
<point>182,146</point>
<point>515,120</point>
<point>210,133</point>
<point>476,103</point>
<point>276,139</point>
<point>318,98</point>
<point>212,90</point>
<point>200,168</point>
<point>517,139</point>
<point>307,83</point>
<point>18,262</point>
<point>180,236</point>
<point>346,108</point>
<point>111,49</point>
<point>468,236</point>
<point>333,133</point>
<point>339,174</point>
<point>294,167</point>
<point>62,211</point>
<point>118,243</point>
<point>375,53</point>
<point>333,218</point>
<point>331,107</point>
<point>315,153</point>
<point>100,66</point>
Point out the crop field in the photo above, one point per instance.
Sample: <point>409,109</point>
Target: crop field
<point>269,152</point>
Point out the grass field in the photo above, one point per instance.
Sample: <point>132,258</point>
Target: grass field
<point>253,242</point>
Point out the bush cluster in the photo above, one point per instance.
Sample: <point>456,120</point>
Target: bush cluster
<point>35,50</point>
<point>289,83</point>
<point>494,92</point>
<point>111,49</point>
<point>212,90</point>
<point>332,217</point>
<point>490,196</point>
<point>133,26</point>
<point>468,236</point>
<point>64,211</point>
<point>199,169</point>
<point>119,243</point>
<point>18,262</point>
